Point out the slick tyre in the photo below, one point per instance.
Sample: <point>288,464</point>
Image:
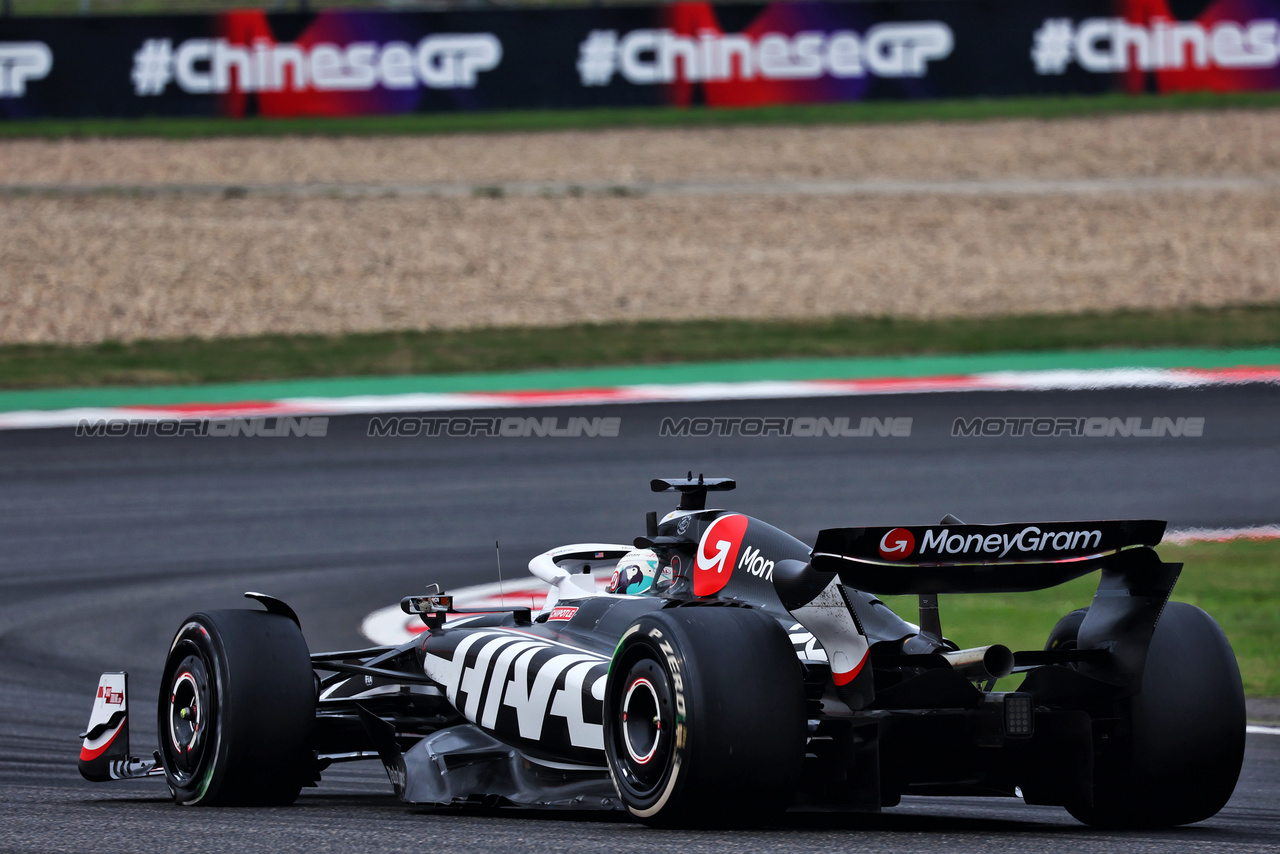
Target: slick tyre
<point>236,710</point>
<point>1066,633</point>
<point>1181,741</point>
<point>704,718</point>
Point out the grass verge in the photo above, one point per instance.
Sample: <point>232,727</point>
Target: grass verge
<point>1237,582</point>
<point>970,109</point>
<point>196,361</point>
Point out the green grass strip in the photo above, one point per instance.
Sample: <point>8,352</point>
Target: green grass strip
<point>1236,582</point>
<point>973,109</point>
<point>507,350</point>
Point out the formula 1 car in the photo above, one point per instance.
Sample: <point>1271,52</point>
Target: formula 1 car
<point>755,674</point>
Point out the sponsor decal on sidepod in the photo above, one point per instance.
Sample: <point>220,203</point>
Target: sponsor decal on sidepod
<point>509,669</point>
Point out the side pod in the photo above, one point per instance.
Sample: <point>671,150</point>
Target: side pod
<point>104,755</point>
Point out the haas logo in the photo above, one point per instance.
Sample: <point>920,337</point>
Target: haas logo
<point>897,544</point>
<point>718,553</point>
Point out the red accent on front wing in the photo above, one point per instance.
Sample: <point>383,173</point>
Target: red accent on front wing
<point>87,755</point>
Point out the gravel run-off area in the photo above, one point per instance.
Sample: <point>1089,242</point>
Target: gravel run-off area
<point>85,267</point>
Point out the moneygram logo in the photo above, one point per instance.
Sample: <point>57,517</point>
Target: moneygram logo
<point>21,62</point>
<point>648,57</point>
<point>215,66</point>
<point>1029,539</point>
<point>718,554</point>
<point>1108,45</point>
<point>897,544</point>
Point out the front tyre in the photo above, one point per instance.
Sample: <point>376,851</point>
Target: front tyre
<point>704,721</point>
<point>236,710</point>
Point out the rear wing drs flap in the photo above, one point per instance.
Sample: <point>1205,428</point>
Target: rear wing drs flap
<point>1133,588</point>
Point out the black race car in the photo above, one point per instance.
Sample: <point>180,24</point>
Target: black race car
<point>754,674</point>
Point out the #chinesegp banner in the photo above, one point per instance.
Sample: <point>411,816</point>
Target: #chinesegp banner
<point>343,62</point>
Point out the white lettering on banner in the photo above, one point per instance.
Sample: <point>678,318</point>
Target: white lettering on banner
<point>648,57</point>
<point>21,62</point>
<point>1109,45</point>
<point>216,66</point>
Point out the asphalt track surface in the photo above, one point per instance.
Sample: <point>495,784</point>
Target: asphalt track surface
<point>109,543</point>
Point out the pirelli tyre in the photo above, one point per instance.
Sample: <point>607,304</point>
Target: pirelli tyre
<point>1177,753</point>
<point>236,710</point>
<point>704,720</point>
<point>1065,634</point>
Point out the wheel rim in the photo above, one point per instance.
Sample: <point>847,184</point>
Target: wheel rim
<point>644,732</point>
<point>641,721</point>
<point>189,713</point>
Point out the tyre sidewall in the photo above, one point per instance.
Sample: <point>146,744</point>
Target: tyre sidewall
<point>195,637</point>
<point>654,640</point>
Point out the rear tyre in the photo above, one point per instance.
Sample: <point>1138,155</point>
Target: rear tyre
<point>1067,631</point>
<point>236,710</point>
<point>1181,741</point>
<point>704,720</point>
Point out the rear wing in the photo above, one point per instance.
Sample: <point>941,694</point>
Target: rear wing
<point>975,558</point>
<point>1132,590</point>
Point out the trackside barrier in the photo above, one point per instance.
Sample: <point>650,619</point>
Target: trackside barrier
<point>343,62</point>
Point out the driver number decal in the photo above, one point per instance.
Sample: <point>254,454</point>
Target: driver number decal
<point>718,554</point>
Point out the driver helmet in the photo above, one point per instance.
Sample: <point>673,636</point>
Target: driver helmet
<point>635,572</point>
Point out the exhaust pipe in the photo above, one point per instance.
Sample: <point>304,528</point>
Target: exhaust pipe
<point>982,663</point>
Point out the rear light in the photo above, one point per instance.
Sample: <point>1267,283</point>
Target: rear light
<point>1019,717</point>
